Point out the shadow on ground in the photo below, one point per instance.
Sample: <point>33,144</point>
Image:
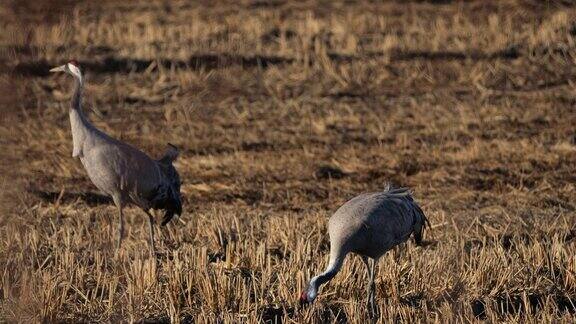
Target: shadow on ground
<point>90,198</point>
<point>516,304</point>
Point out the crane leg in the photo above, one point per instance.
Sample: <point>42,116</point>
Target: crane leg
<point>151,232</point>
<point>371,289</point>
<point>119,202</point>
<point>372,286</point>
<point>120,228</point>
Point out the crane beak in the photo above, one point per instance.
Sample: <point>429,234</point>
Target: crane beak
<point>61,68</point>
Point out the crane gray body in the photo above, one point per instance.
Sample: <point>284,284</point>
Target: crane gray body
<point>373,223</point>
<point>121,171</point>
<point>369,225</point>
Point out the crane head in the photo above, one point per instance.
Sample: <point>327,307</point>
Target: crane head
<point>304,299</point>
<point>308,296</point>
<point>70,68</point>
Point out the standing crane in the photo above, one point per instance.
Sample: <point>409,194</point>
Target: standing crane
<point>369,225</point>
<point>121,171</point>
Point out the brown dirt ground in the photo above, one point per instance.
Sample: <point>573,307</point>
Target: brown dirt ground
<point>283,111</point>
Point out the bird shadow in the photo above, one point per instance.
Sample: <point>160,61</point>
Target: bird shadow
<point>274,313</point>
<point>517,304</point>
<point>334,314</point>
<point>428,243</point>
<point>161,319</point>
<point>412,300</point>
<point>91,199</point>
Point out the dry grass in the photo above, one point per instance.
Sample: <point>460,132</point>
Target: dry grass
<point>283,112</point>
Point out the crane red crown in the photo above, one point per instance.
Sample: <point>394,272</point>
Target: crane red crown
<point>73,62</point>
<point>303,298</point>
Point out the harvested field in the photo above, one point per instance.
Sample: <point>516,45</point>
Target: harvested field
<point>284,111</point>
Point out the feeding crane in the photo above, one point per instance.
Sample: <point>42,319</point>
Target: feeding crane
<point>369,225</point>
<point>120,170</point>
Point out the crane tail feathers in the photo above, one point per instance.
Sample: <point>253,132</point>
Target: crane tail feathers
<point>420,219</point>
<point>173,208</point>
<point>170,155</point>
<point>421,223</point>
<point>167,217</point>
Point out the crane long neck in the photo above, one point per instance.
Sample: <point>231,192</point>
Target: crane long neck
<point>333,268</point>
<point>77,96</point>
<point>80,126</point>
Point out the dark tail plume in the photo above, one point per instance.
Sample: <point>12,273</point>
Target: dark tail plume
<point>172,207</point>
<point>419,232</point>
